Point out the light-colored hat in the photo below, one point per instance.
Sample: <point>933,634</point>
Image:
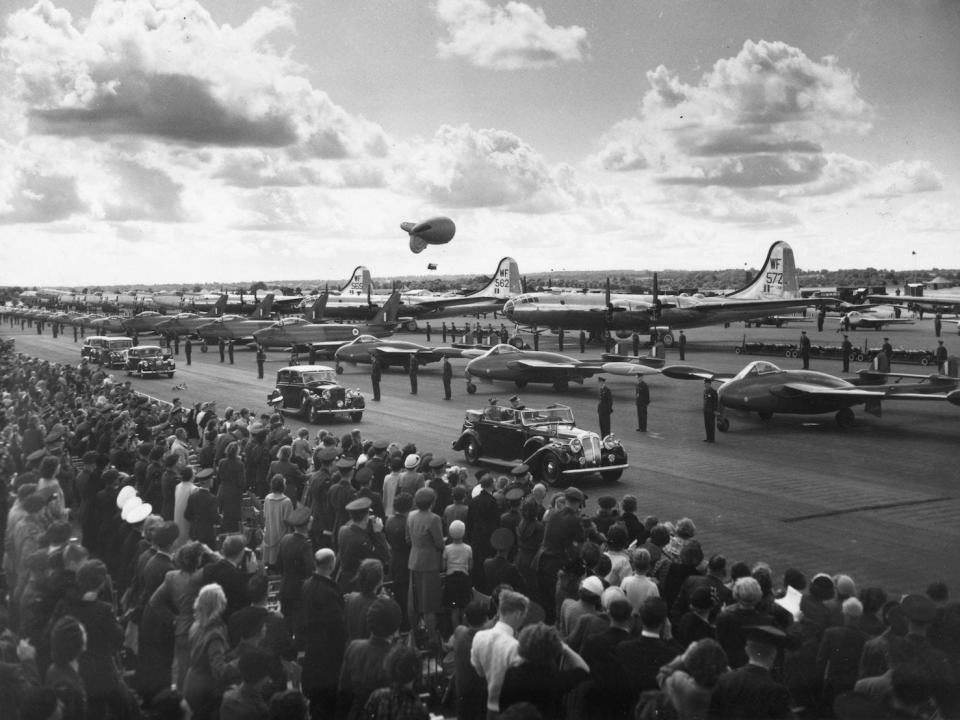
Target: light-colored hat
<point>130,506</point>
<point>412,461</point>
<point>126,492</point>
<point>139,513</point>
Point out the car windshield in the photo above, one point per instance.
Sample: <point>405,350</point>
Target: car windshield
<point>120,344</point>
<point>148,352</point>
<point>560,415</point>
<point>323,376</point>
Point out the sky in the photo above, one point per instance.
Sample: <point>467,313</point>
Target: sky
<point>217,141</point>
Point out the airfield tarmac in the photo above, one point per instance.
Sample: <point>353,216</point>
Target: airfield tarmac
<point>876,501</point>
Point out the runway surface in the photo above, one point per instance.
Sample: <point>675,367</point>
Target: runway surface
<point>877,501</point>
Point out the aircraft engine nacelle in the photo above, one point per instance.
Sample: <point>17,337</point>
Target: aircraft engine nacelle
<point>435,231</point>
<point>624,334</point>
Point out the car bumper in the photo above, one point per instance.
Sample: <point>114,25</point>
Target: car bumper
<point>594,469</point>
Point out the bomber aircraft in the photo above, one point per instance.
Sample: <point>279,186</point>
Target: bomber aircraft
<point>774,289</point>
<point>765,389</point>
<point>509,363</point>
<point>435,231</point>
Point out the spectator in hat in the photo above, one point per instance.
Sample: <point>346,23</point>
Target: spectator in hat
<point>586,603</point>
<point>229,572</point>
<point>205,679</point>
<point>68,641</point>
<point>620,567</point>
<point>483,517</point>
<point>498,570</point>
<point>411,479</point>
<point>342,493</point>
<point>368,583</point>
<point>457,567</point>
<point>362,479</point>
<point>321,632</point>
<point>360,538</point>
<point>751,690</point>
<point>733,620</point>
<point>231,475</point>
<point>457,509</point>
<point>398,699</point>
<point>546,671</point>
<point>695,623</point>
<point>294,562</point>
<point>202,511</point>
<point>363,669</point>
<point>277,507</point>
<point>607,513</point>
<point>425,531</point>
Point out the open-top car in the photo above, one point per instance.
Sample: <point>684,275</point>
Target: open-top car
<point>546,439</point>
<point>145,360</point>
<point>109,350</point>
<point>313,392</point>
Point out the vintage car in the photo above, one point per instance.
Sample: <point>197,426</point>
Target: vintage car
<point>109,350</point>
<point>546,439</point>
<point>313,392</point>
<point>144,360</point>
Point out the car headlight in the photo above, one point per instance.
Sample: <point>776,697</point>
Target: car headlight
<point>340,403</point>
<point>576,445</point>
<point>610,442</point>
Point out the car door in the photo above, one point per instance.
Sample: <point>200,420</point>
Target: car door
<point>291,389</point>
<point>501,439</point>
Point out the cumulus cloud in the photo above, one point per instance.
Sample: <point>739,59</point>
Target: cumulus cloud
<point>462,167</point>
<point>757,119</point>
<point>513,36</point>
<point>34,195</point>
<point>904,178</point>
<point>169,71</point>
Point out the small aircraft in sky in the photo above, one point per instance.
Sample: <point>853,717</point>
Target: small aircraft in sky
<point>300,333</point>
<point>435,231</point>
<point>862,317</point>
<point>774,289</point>
<point>395,353</point>
<point>511,364</point>
<point>765,389</point>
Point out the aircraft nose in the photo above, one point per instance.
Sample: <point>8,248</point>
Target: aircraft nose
<point>508,308</point>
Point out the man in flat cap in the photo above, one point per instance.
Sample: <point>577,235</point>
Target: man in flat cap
<point>322,634</point>
<point>294,563</point>
<point>751,691</point>
<point>562,533</point>
<point>341,493</point>
<point>357,540</point>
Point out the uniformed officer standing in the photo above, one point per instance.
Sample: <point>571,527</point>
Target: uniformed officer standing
<point>176,345</point>
<point>583,342</point>
<point>313,355</point>
<point>223,347</point>
<point>937,323</point>
<point>821,315</point>
<point>188,350</point>
<point>375,377</point>
<point>414,364</point>
<point>805,349</point>
<point>711,402</point>
<point>357,540</point>
<point>230,351</point>
<point>642,399</point>
<point>636,344</point>
<point>846,350</point>
<point>447,377</point>
<point>428,331</point>
<point>261,357</point>
<point>682,345</point>
<point>604,407</point>
<point>887,349</point>
<point>74,333</point>
<point>941,357</point>
<point>443,330</point>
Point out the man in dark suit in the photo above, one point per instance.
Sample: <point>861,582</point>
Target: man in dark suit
<point>202,510</point>
<point>375,377</point>
<point>642,400</point>
<point>483,517</point>
<point>294,563</point>
<point>604,407</point>
<point>610,694</point>
<point>157,566</point>
<point>227,573</point>
<point>322,633</point>
<point>447,377</point>
<point>641,658</point>
<point>751,691</point>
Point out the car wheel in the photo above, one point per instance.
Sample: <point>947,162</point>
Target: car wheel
<point>844,417</point>
<point>738,350</point>
<point>170,375</point>
<point>521,384</point>
<point>471,388</point>
<point>925,361</point>
<point>355,417</point>
<point>859,357</point>
<point>612,475</point>
<point>550,469</point>
<point>471,451</point>
<point>312,415</point>
<point>561,385</point>
<point>723,424</point>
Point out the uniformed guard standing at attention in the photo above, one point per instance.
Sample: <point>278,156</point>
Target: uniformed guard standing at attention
<point>74,333</point>
<point>443,330</point>
<point>821,315</point>
<point>230,351</point>
<point>313,355</point>
<point>414,364</point>
<point>887,349</point>
<point>261,358</point>
<point>136,339</point>
<point>636,344</point>
<point>375,377</point>
<point>428,331</point>
<point>223,347</point>
<point>711,402</point>
<point>54,330</point>
<point>604,407</point>
<point>560,339</point>
<point>536,339</point>
<point>940,355</point>
<point>583,342</point>
<point>682,345</point>
<point>643,399</point>
<point>937,323</point>
<point>447,376</point>
<point>176,345</point>
<point>188,349</point>
<point>805,349</point>
<point>846,350</point>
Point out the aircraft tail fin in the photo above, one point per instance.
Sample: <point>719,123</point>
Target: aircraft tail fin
<point>220,305</point>
<point>777,279</point>
<point>315,312</point>
<point>386,316</point>
<point>266,306</point>
<point>359,283</point>
<point>506,282</point>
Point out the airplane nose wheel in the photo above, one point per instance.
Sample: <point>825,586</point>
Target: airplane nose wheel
<point>723,424</point>
<point>339,369</point>
<point>845,417</point>
<point>471,388</point>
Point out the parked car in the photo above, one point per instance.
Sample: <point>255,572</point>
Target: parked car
<point>313,392</point>
<point>144,360</point>
<point>546,439</point>
<point>109,350</point>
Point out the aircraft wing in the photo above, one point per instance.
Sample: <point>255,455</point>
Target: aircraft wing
<point>629,368</point>
<point>881,392</point>
<point>689,372</point>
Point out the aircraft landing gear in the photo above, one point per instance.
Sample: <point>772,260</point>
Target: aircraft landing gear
<point>844,417</point>
<point>723,424</point>
<point>339,369</point>
<point>561,385</point>
<point>203,346</point>
<point>471,388</point>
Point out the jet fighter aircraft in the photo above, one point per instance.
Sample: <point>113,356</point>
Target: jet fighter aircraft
<point>238,327</point>
<point>186,323</point>
<point>873,316</point>
<point>144,322</point>
<point>392,352</point>
<point>435,231</point>
<point>506,362</point>
<point>765,389</point>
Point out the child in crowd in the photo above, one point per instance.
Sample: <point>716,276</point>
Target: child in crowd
<point>457,564</point>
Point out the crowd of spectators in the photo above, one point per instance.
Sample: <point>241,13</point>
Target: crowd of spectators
<point>170,561</point>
